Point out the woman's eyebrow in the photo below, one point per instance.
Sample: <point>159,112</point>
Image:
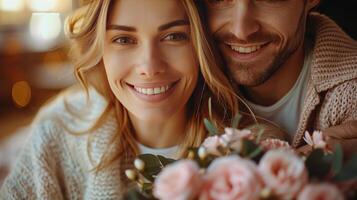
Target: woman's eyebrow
<point>121,28</point>
<point>180,22</point>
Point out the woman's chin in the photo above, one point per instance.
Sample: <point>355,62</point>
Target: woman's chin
<point>152,116</point>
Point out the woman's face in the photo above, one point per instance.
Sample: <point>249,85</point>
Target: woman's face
<point>148,57</point>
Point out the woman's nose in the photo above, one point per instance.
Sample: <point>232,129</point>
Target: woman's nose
<point>150,61</point>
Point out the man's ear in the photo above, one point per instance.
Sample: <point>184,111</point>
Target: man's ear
<point>312,4</point>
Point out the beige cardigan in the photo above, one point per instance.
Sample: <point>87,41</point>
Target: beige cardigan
<point>332,89</point>
<point>55,164</point>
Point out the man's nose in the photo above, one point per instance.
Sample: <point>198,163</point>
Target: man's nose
<point>243,22</point>
<point>150,61</point>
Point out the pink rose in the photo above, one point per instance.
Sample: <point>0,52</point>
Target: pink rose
<point>283,172</point>
<point>233,137</point>
<point>272,143</point>
<point>322,191</point>
<point>211,144</point>
<point>231,178</point>
<point>178,181</point>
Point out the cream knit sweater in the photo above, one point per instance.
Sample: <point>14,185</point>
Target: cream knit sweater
<point>55,164</point>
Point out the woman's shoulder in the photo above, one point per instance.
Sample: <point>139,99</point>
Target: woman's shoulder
<point>53,149</point>
<point>67,121</point>
<point>74,109</point>
<point>62,127</point>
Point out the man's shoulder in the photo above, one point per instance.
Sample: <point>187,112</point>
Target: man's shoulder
<point>334,54</point>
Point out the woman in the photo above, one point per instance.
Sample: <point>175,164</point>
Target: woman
<point>147,69</point>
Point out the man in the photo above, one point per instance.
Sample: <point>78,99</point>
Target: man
<point>294,67</point>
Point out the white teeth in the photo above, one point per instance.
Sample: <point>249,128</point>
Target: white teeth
<point>157,90</point>
<point>245,49</point>
<point>152,91</point>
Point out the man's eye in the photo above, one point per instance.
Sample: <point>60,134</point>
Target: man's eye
<point>176,37</point>
<point>124,40</point>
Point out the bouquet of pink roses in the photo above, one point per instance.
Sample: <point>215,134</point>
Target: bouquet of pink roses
<point>238,164</point>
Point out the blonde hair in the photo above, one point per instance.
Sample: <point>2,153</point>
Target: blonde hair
<point>86,29</point>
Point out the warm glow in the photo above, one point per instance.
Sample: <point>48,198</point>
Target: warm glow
<point>21,93</point>
<point>42,5</point>
<point>12,5</point>
<point>49,5</point>
<point>45,27</point>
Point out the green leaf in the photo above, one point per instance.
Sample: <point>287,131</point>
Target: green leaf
<point>165,161</point>
<point>251,150</point>
<point>236,120</point>
<point>317,164</point>
<point>248,147</point>
<point>348,171</point>
<point>337,159</point>
<point>255,153</point>
<point>153,166</point>
<point>210,127</point>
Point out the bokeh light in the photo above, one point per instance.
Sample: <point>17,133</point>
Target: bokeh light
<point>49,5</point>
<point>45,27</point>
<point>12,5</point>
<point>42,5</point>
<point>21,93</point>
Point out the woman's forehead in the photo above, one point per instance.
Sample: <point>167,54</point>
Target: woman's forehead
<point>145,11</point>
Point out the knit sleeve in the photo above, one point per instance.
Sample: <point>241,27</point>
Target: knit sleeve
<point>34,175</point>
<point>340,105</point>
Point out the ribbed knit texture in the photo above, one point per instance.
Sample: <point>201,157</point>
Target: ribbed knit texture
<point>332,90</point>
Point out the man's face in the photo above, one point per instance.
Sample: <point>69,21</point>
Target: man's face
<point>256,37</point>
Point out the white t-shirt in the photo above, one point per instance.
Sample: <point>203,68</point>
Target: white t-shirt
<point>286,111</point>
<point>170,152</point>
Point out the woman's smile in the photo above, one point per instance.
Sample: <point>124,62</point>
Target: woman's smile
<point>153,92</point>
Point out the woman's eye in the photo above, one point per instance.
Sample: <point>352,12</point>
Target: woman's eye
<point>176,37</point>
<point>124,40</point>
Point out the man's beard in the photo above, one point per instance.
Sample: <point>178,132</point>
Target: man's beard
<point>248,74</point>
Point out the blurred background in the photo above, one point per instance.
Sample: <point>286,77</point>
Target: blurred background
<point>34,65</point>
